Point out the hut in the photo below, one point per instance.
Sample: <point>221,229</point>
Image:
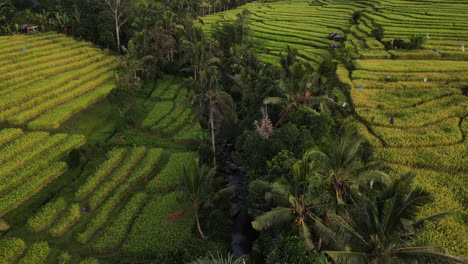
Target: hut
<point>335,36</point>
<point>28,28</point>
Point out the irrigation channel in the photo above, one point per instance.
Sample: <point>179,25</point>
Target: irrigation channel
<point>242,232</point>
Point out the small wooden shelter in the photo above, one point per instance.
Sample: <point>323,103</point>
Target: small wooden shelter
<point>28,28</point>
<point>335,36</point>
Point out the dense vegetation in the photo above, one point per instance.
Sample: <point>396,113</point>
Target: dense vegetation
<point>164,131</point>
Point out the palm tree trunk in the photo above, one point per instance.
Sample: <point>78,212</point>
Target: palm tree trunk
<point>213,137</point>
<point>198,223</point>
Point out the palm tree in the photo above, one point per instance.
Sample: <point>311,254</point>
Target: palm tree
<point>382,227</point>
<point>130,64</point>
<point>340,163</point>
<point>289,59</point>
<point>297,92</point>
<point>303,203</point>
<point>212,100</point>
<point>218,259</point>
<point>200,58</point>
<point>197,182</point>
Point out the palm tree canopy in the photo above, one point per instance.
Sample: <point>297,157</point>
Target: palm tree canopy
<point>382,226</point>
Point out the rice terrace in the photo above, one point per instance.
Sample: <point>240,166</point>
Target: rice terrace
<point>237,131</point>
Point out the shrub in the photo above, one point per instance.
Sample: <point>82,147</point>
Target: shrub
<point>46,215</point>
<point>113,158</point>
<point>378,32</point>
<point>280,165</point>
<point>291,249</point>
<point>66,221</point>
<point>64,258</point>
<point>36,254</point>
<point>10,249</point>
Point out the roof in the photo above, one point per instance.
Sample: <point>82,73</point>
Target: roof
<point>28,26</point>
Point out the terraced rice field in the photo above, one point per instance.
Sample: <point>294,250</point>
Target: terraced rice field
<point>303,25</point>
<point>171,115</point>
<point>419,88</point>
<point>105,214</point>
<point>26,169</point>
<point>52,79</point>
<point>110,204</point>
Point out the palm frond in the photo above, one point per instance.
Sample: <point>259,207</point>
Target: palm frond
<point>347,257</point>
<point>435,217</point>
<point>274,100</point>
<point>428,252</point>
<point>275,216</point>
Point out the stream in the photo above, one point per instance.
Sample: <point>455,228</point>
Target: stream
<point>242,232</point>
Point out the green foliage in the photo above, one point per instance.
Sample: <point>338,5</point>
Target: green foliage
<point>89,261</point>
<point>218,259</point>
<point>416,41</point>
<point>378,32</point>
<point>10,249</point>
<point>253,150</point>
<point>114,234</point>
<point>169,221</point>
<point>66,221</point>
<point>36,254</point>
<point>291,249</point>
<point>64,258</point>
<point>122,99</point>
<point>280,165</point>
<point>114,157</point>
<point>46,215</point>
<point>168,178</point>
<point>116,177</point>
<point>31,187</point>
<point>320,125</point>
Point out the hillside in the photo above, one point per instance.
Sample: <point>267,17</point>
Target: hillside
<point>94,142</point>
<point>58,209</point>
<point>420,89</point>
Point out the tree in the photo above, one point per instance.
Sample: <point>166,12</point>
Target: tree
<point>130,64</point>
<point>289,59</point>
<point>382,227</point>
<point>218,259</point>
<point>121,98</point>
<point>378,32</point>
<point>297,91</point>
<point>416,41</point>
<point>7,10</point>
<point>340,163</point>
<point>119,9</point>
<point>303,200</point>
<point>197,183</point>
<point>213,101</point>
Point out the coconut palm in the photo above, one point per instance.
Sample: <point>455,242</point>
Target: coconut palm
<point>130,64</point>
<point>382,228</point>
<point>201,59</point>
<point>340,163</point>
<point>218,259</point>
<point>297,91</point>
<point>196,182</point>
<point>212,100</point>
<point>288,59</point>
<point>303,203</point>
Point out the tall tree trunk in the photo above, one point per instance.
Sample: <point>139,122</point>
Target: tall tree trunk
<point>117,33</point>
<point>198,223</point>
<point>213,137</point>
